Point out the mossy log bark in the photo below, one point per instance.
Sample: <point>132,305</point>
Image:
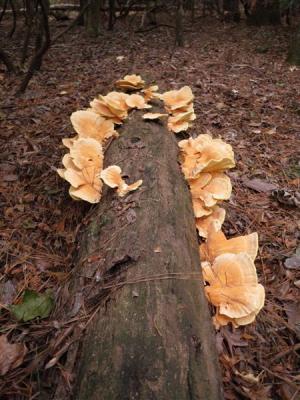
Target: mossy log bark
<point>152,339</point>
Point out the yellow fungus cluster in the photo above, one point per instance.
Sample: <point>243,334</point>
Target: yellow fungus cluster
<point>229,271</point>
<point>228,265</point>
<point>83,165</point>
<point>203,162</point>
<point>179,105</point>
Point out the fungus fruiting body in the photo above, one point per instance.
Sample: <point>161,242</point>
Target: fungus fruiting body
<point>130,82</point>
<point>112,177</point>
<point>233,287</point>
<point>88,124</point>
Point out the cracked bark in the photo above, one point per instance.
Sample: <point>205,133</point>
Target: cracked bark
<point>152,339</point>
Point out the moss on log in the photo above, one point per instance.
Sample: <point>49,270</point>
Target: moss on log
<point>152,339</point>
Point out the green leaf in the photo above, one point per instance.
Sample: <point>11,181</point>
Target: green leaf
<point>33,305</point>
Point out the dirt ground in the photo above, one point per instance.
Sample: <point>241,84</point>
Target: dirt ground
<point>246,94</point>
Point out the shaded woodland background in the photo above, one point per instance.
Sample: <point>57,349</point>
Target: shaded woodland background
<point>239,60</point>
<point>35,17</point>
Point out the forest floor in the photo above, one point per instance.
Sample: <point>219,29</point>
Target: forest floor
<point>246,94</point>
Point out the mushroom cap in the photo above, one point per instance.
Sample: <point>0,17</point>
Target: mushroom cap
<point>137,101</point>
<point>88,124</point>
<point>87,152</point>
<point>151,92</point>
<point>233,285</point>
<point>217,244</point>
<point>130,82</point>
<point>153,116</point>
<point>217,217</point>
<point>112,177</point>
<point>205,154</point>
<point>180,121</point>
<point>199,208</point>
<point>211,187</point>
<point>175,99</point>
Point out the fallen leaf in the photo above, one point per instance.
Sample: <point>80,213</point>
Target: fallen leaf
<point>292,310</point>
<point>10,178</point>
<point>11,355</point>
<point>292,262</point>
<point>259,185</point>
<point>33,305</point>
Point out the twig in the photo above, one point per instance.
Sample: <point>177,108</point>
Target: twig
<point>285,353</point>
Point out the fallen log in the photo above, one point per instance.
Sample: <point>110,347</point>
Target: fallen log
<point>151,335</point>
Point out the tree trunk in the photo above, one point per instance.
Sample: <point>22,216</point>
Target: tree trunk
<point>179,41</point>
<point>81,19</point>
<point>152,337</point>
<point>264,13</point>
<point>92,18</point>
<point>294,51</point>
<point>231,10</point>
<point>4,57</point>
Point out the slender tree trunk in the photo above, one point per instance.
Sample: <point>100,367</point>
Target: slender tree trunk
<point>179,23</point>
<point>264,13</point>
<point>294,51</point>
<point>111,16</point>
<point>231,10</point>
<point>81,19</point>
<point>36,61</point>
<point>4,57</point>
<point>151,336</point>
<point>92,18</point>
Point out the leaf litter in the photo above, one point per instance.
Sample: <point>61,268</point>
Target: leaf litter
<point>241,96</point>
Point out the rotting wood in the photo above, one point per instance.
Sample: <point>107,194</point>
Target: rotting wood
<point>152,339</point>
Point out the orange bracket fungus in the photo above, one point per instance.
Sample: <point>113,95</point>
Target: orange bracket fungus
<point>88,124</point>
<point>137,101</point>
<point>154,116</point>
<point>151,93</point>
<point>217,217</point>
<point>233,288</point>
<point>112,106</point>
<point>130,82</point>
<point>227,264</point>
<point>217,244</point>
<point>112,177</point>
<point>178,103</point>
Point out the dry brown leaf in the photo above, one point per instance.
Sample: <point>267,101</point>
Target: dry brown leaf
<point>11,355</point>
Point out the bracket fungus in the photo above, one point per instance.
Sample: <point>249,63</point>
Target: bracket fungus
<point>88,124</point>
<point>210,188</point>
<point>85,182</point>
<point>112,106</point>
<point>151,93</point>
<point>153,116</point>
<point>205,154</point>
<point>137,101</point>
<point>217,217</point>
<point>178,103</point>
<point>112,177</point>
<point>233,288</point>
<point>177,99</point>
<point>130,82</point>
<point>217,244</point>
